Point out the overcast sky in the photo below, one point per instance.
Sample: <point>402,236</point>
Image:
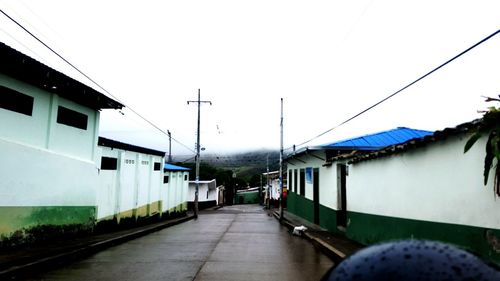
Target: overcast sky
<point>328,60</point>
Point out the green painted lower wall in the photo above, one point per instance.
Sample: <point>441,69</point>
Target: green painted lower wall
<point>303,207</point>
<point>21,224</point>
<point>300,206</point>
<point>247,198</point>
<point>328,219</point>
<point>369,229</point>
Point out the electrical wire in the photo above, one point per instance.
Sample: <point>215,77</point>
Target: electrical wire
<point>92,80</point>
<point>400,90</point>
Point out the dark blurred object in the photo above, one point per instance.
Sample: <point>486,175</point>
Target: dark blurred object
<point>412,260</point>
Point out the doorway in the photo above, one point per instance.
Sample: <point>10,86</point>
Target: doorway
<point>342,201</point>
<point>316,194</point>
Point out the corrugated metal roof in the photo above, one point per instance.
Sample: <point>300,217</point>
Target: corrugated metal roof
<point>24,68</point>
<point>170,167</point>
<point>102,141</point>
<point>379,140</point>
<point>414,143</point>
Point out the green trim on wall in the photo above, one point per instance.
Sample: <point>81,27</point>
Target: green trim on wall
<point>300,206</point>
<point>328,219</point>
<point>303,207</point>
<point>17,217</point>
<point>369,229</point>
<point>23,224</point>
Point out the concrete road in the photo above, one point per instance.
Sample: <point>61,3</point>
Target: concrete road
<point>233,243</point>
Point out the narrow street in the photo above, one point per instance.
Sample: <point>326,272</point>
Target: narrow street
<point>233,243</point>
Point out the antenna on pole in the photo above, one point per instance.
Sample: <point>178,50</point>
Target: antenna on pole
<point>197,181</point>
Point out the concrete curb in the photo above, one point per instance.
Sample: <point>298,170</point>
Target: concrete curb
<point>74,254</point>
<point>335,254</point>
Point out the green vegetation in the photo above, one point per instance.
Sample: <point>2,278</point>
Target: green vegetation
<point>489,126</point>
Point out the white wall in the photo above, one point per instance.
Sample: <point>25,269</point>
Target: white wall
<point>42,130</point>
<point>44,164</point>
<point>435,183</point>
<point>31,130</point>
<point>108,186</point>
<point>134,184</point>
<point>32,176</point>
<point>327,179</point>
<point>203,191</point>
<point>70,140</point>
<point>174,193</point>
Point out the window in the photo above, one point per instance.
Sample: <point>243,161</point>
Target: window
<point>302,182</point>
<point>157,166</point>
<point>185,177</point>
<point>165,179</point>
<point>109,163</point>
<point>295,175</point>
<point>71,118</point>
<point>15,101</point>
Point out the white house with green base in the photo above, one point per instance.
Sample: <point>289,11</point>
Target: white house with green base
<point>422,188</point>
<point>48,136</point>
<point>425,189</point>
<point>316,187</point>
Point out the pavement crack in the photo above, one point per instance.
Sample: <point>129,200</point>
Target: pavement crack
<point>213,250</point>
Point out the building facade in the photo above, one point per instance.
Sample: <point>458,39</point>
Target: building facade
<point>208,194</point>
<point>130,181</point>
<point>48,137</point>
<point>423,188</point>
<point>175,192</point>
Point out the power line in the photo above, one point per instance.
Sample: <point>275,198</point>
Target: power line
<point>402,89</point>
<point>90,79</point>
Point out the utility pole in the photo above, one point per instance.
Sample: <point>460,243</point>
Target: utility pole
<point>198,155</point>
<point>260,191</point>
<point>281,163</point>
<point>169,146</point>
<point>267,184</point>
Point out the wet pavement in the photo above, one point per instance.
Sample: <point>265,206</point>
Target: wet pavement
<point>241,242</point>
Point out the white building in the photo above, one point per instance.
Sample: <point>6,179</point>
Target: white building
<point>315,185</point>
<point>208,194</point>
<point>175,192</point>
<point>130,181</point>
<point>425,188</point>
<point>48,138</point>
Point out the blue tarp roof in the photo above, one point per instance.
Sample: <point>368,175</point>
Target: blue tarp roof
<point>170,167</point>
<point>378,140</point>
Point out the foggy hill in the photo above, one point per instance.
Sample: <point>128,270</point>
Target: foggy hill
<point>244,164</point>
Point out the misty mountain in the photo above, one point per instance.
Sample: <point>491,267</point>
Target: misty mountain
<point>243,164</point>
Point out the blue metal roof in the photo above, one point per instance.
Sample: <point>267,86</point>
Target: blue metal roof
<point>379,140</point>
<point>170,167</point>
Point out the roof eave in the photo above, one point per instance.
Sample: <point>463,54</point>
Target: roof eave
<point>26,69</point>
